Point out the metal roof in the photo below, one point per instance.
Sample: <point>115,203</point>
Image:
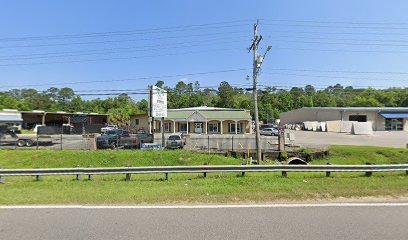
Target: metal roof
<point>394,115</point>
<point>10,118</point>
<point>367,109</point>
<point>213,114</point>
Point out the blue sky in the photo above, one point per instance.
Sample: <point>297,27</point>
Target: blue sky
<point>314,42</point>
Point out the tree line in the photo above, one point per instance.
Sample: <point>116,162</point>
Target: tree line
<point>272,100</point>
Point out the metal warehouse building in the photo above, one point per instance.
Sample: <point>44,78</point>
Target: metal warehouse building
<point>382,118</point>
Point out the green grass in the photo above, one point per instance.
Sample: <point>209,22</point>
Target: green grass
<point>193,188</point>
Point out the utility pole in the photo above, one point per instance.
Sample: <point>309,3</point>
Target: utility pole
<point>258,59</point>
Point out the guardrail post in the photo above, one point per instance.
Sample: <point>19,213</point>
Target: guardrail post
<point>369,174</point>
<point>284,174</point>
<point>205,173</point>
<point>1,179</point>
<point>38,177</point>
<point>90,176</point>
<point>78,176</point>
<point>328,173</point>
<point>243,173</point>
<point>128,175</point>
<point>166,177</point>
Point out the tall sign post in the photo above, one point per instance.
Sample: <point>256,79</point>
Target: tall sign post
<point>158,107</point>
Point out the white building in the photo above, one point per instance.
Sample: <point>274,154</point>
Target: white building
<point>382,118</point>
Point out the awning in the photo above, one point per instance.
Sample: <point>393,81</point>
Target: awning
<point>394,114</point>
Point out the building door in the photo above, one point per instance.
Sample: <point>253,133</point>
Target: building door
<point>394,124</point>
<point>198,128</point>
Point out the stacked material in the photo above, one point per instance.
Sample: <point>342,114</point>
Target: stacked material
<point>311,126</point>
<point>323,126</point>
<point>346,126</point>
<point>333,126</point>
<point>362,128</point>
<point>339,126</point>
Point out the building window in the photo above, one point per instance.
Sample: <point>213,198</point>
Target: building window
<point>358,118</point>
<point>231,127</point>
<point>136,121</point>
<point>394,124</point>
<point>183,127</point>
<point>167,126</point>
<point>213,127</point>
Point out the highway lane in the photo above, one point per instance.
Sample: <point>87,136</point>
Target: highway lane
<point>207,222</point>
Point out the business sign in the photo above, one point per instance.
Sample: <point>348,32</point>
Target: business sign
<point>159,102</point>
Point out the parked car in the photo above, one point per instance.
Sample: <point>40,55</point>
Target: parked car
<point>121,138</point>
<point>269,132</point>
<point>176,140</point>
<point>115,138</point>
<point>109,128</point>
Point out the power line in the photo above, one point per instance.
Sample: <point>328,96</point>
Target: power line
<point>131,32</point>
<point>337,26</point>
<point>336,77</point>
<point>118,58</point>
<point>341,39</point>
<point>111,50</point>
<point>348,43</point>
<point>340,50</point>
<point>120,40</point>
<point>340,33</point>
<point>337,22</point>
<point>337,71</point>
<point>130,79</point>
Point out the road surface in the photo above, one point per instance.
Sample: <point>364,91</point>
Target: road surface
<point>332,221</point>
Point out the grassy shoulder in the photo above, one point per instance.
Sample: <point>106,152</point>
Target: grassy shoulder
<point>193,188</point>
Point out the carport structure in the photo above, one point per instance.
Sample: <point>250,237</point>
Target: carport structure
<point>38,117</point>
<point>206,120</point>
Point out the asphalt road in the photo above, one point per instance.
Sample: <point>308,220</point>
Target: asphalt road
<point>288,222</point>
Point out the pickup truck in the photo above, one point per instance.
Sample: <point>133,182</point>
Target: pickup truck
<point>108,128</point>
<point>121,138</point>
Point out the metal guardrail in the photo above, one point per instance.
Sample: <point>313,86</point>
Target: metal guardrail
<point>368,169</point>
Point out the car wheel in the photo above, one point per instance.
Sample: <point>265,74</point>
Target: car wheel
<point>21,143</point>
<point>29,143</point>
<point>112,145</point>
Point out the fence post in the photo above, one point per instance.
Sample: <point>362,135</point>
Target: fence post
<point>369,173</point>
<point>208,144</point>
<point>37,139</point>
<point>328,173</point>
<point>117,142</point>
<point>232,143</point>
<point>78,176</point>
<point>61,139</point>
<point>90,176</point>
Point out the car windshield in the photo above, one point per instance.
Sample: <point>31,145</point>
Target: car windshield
<point>174,137</point>
<point>111,126</point>
<point>110,133</point>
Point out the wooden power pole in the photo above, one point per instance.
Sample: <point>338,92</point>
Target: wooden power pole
<point>258,60</point>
